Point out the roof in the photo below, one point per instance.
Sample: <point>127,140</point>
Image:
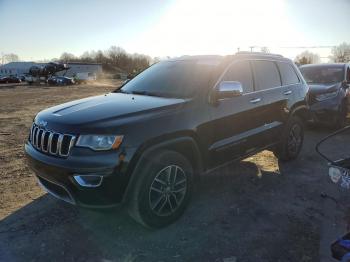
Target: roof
<point>20,64</point>
<point>257,54</point>
<point>218,58</point>
<point>196,58</point>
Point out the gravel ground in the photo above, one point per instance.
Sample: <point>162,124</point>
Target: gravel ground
<point>254,210</point>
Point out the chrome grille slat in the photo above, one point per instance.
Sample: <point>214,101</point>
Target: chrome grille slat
<point>40,136</point>
<point>44,145</point>
<point>49,142</point>
<point>31,133</point>
<point>53,141</point>
<point>37,138</point>
<point>59,144</point>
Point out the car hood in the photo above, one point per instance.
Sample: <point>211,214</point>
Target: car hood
<point>104,108</point>
<point>323,88</point>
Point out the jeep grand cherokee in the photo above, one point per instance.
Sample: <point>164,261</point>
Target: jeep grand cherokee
<point>144,144</point>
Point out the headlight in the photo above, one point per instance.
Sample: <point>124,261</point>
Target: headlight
<point>334,174</point>
<point>99,142</point>
<point>325,96</point>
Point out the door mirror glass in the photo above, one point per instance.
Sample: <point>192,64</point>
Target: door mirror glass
<point>228,89</point>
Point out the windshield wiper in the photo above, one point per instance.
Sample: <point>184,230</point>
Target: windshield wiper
<point>146,93</point>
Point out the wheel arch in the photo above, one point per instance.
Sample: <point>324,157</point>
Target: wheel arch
<point>185,144</point>
<point>300,110</point>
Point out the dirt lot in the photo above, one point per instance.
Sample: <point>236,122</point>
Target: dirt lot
<point>255,210</point>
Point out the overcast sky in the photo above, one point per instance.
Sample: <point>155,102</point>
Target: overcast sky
<point>42,29</point>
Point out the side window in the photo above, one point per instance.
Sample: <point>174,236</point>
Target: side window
<point>242,73</point>
<point>288,74</point>
<point>348,75</point>
<point>267,75</point>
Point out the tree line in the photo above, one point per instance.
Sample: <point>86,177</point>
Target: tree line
<point>339,54</point>
<point>114,59</point>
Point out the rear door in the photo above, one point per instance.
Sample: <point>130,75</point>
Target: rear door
<point>283,98</point>
<point>234,120</point>
<point>291,85</point>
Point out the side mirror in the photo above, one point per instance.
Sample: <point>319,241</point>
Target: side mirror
<point>228,89</point>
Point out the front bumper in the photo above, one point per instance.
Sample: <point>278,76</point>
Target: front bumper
<point>325,111</point>
<point>55,175</point>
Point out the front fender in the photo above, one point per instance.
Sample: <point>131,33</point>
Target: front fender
<point>186,145</point>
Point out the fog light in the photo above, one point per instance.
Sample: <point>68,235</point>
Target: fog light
<point>88,180</point>
<point>334,174</point>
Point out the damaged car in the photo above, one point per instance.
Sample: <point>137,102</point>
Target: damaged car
<point>328,92</point>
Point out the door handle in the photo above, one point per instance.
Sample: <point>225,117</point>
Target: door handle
<point>287,92</point>
<point>256,100</point>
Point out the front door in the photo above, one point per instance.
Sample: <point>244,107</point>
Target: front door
<point>234,120</point>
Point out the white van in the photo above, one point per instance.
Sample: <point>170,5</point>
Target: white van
<point>84,77</point>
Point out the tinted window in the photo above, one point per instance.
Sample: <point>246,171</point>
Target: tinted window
<point>180,79</point>
<point>288,74</point>
<point>323,74</point>
<point>242,73</point>
<point>267,75</point>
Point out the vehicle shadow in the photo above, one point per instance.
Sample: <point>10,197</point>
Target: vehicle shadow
<point>232,208</point>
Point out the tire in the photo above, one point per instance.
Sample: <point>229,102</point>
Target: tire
<point>292,140</point>
<point>156,203</point>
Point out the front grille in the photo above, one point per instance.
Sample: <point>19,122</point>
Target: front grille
<point>50,142</point>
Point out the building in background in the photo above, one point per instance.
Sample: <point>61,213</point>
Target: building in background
<point>17,68</point>
<point>22,68</point>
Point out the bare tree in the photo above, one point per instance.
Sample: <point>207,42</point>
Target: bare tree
<point>8,58</point>
<point>67,57</point>
<point>113,59</point>
<point>307,57</point>
<point>341,53</point>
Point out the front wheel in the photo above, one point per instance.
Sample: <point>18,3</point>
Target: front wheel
<point>292,140</point>
<point>163,189</point>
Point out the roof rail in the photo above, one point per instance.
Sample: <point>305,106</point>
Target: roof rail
<point>257,53</point>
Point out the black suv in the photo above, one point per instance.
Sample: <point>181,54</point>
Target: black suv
<point>329,92</point>
<point>145,143</point>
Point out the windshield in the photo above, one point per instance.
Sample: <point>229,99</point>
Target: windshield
<point>178,79</point>
<point>322,74</point>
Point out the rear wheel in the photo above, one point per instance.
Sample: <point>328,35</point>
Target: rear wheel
<point>292,140</point>
<point>163,189</point>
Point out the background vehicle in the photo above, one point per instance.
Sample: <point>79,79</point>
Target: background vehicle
<point>60,80</point>
<point>39,74</point>
<point>145,144</point>
<point>9,79</point>
<point>329,92</point>
<point>84,77</point>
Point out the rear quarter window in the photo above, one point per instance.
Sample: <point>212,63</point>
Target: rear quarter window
<point>288,74</point>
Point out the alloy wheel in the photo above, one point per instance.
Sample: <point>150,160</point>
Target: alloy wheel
<point>168,190</point>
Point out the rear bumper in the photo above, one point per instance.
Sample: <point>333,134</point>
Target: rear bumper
<point>55,175</point>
